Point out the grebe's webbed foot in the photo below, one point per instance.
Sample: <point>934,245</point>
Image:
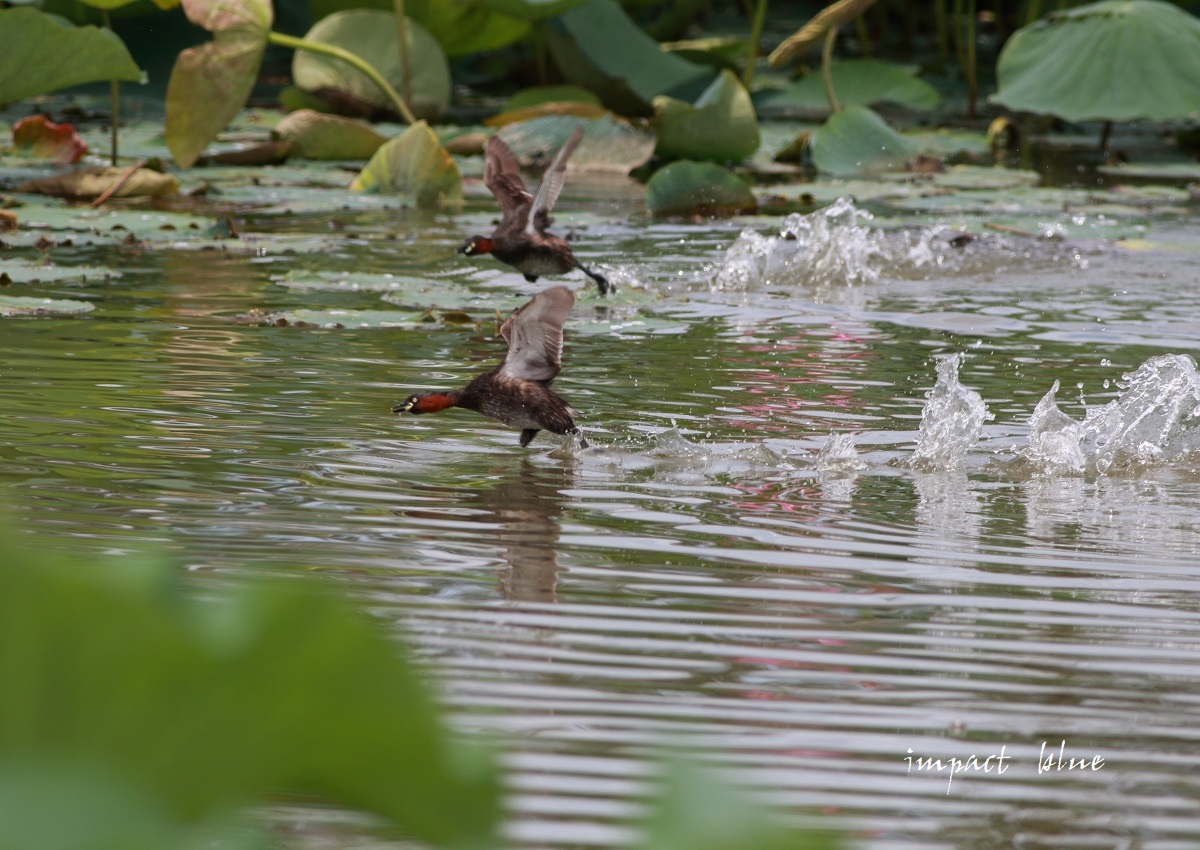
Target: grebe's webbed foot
<point>527,436</point>
<point>601,281</point>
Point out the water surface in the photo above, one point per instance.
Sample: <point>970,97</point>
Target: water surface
<point>704,574</point>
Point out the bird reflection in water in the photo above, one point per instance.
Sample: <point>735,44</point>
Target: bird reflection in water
<point>526,504</point>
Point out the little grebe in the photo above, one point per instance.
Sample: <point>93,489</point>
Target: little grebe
<point>517,392</point>
<point>521,240</point>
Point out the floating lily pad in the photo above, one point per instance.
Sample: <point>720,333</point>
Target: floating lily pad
<point>978,177</point>
<point>81,225</point>
<point>371,35</point>
<point>630,326</point>
<point>946,142</point>
<point>856,141</point>
<point>1154,171</point>
<point>598,47</point>
<point>12,306</point>
<point>857,82</point>
<point>1151,195</point>
<point>827,191</point>
<point>697,188</point>
<point>349,281</point>
<point>609,143</point>
<point>315,135</point>
<point>413,164</point>
<point>721,125</point>
<point>446,295</point>
<point>336,318</point>
<point>289,200</point>
<point>19,271</point>
<point>40,53</point>
<point>404,290</point>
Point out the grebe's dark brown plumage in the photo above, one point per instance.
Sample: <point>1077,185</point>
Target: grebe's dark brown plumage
<point>517,392</point>
<point>521,239</point>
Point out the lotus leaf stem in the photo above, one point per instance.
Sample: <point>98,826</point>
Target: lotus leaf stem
<point>756,28</point>
<point>827,69</point>
<point>402,43</point>
<point>114,93</point>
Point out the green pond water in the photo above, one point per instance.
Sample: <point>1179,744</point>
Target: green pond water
<point>703,574</point>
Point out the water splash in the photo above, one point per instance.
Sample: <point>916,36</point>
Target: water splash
<point>834,245</point>
<point>839,455</point>
<point>951,421</point>
<point>1155,422</point>
<point>839,246</point>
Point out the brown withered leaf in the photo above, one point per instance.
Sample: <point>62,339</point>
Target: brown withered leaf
<point>88,183</point>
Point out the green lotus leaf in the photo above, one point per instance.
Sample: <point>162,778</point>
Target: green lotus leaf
<point>315,135</point>
<point>721,125</point>
<point>697,810</point>
<point>1117,60</point>
<point>857,81</point>
<point>11,305</point>
<point>413,164</point>
<point>597,46</point>
<point>549,94</point>
<point>697,188</point>
<point>371,35</point>
<point>461,27</point>
<point>856,140</point>
<point>210,83</point>
<point>33,46</point>
<point>532,10</point>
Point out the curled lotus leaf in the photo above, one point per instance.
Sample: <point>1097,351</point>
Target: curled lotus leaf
<point>721,125</point>
<point>210,83</point>
<point>40,138</point>
<point>413,164</point>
